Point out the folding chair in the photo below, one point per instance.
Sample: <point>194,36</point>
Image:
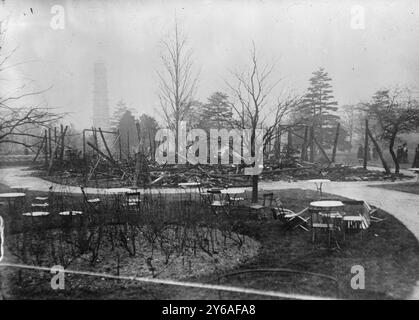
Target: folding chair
<point>206,198</point>
<point>219,202</point>
<point>328,221</point>
<point>361,221</point>
<point>237,198</point>
<point>133,200</point>
<point>93,202</point>
<point>370,210</point>
<point>266,203</point>
<point>290,218</point>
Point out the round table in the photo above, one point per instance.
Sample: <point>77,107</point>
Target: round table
<point>36,214</point>
<point>70,213</point>
<point>118,190</point>
<point>233,191</point>
<point>10,196</point>
<point>189,184</point>
<point>327,207</point>
<point>319,184</point>
<point>327,204</point>
<point>328,210</point>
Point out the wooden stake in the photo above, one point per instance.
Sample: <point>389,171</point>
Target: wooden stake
<point>46,147</point>
<point>304,146</point>
<point>289,142</point>
<point>84,144</point>
<point>95,139</point>
<point>321,149</point>
<point>51,159</point>
<point>129,153</point>
<point>335,144</point>
<point>366,151</point>
<point>312,144</point>
<point>105,144</point>
<point>62,141</point>
<point>102,154</point>
<point>120,145</point>
<point>39,150</point>
<point>50,142</point>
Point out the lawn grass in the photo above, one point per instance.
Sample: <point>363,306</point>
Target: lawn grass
<point>389,254</point>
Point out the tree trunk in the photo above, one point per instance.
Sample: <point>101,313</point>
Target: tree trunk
<point>393,155</point>
<point>304,146</point>
<point>366,148</point>
<point>255,180</point>
<point>380,153</point>
<point>335,144</point>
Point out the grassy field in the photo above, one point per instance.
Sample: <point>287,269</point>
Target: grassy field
<point>389,254</point>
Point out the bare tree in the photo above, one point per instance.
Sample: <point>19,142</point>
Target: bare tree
<point>178,81</point>
<point>254,106</point>
<point>395,113</point>
<point>21,124</point>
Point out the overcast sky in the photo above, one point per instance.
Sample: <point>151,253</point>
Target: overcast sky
<point>300,36</point>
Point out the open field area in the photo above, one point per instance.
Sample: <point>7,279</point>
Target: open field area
<point>248,243</point>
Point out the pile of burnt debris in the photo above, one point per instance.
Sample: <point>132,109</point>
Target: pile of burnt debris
<point>142,171</point>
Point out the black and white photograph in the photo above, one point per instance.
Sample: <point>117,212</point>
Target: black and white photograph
<point>230,151</point>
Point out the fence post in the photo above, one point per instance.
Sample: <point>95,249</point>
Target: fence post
<point>366,151</point>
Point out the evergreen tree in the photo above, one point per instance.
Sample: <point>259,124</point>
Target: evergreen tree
<point>318,108</point>
<point>119,111</point>
<point>216,113</point>
<point>147,129</point>
<point>129,139</point>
